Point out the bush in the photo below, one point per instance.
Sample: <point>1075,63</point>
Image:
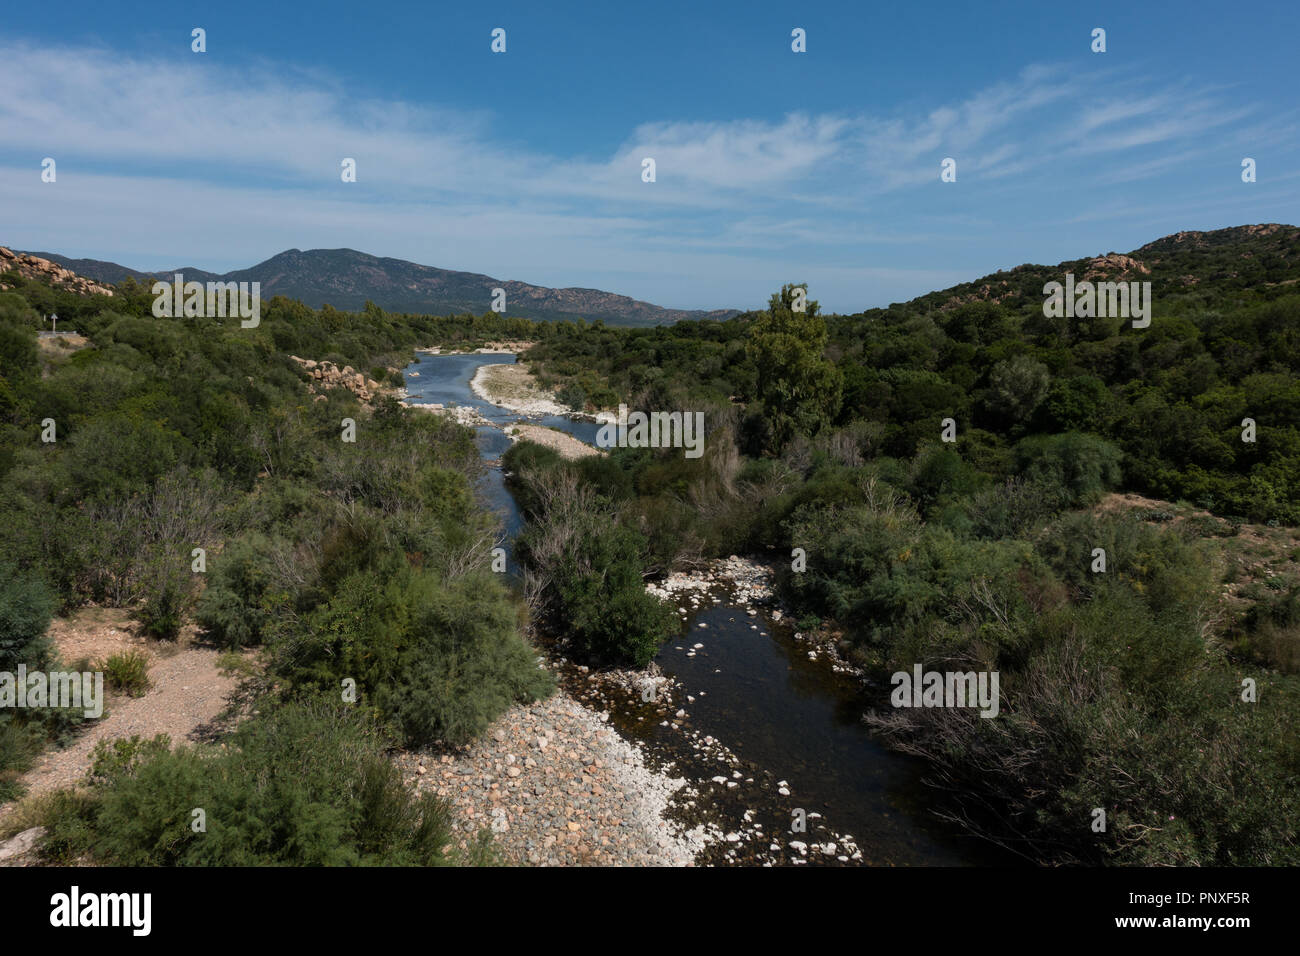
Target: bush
<point>1014,507</point>
<point>573,396</point>
<point>305,784</point>
<point>464,663</point>
<point>69,835</point>
<point>26,606</point>
<point>241,598</point>
<point>18,351</point>
<point>1273,628</point>
<point>1123,711</point>
<point>20,744</point>
<point>616,624</point>
<point>441,659</point>
<point>604,605</point>
<point>127,672</point>
<point>1084,466</point>
<point>163,613</point>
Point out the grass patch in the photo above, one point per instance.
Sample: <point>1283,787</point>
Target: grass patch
<point>127,672</point>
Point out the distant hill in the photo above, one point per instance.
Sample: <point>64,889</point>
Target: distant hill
<point>346,279</point>
<point>42,269</point>
<point>1260,259</point>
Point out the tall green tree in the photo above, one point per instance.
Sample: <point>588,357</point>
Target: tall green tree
<point>799,389</point>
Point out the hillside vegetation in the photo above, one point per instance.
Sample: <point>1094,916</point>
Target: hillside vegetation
<point>1122,689</point>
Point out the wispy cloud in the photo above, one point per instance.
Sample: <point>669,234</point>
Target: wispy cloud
<point>163,162</point>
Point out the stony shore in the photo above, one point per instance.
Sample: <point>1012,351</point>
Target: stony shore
<point>557,787</point>
<point>564,443</point>
<point>462,414</point>
<point>749,583</point>
<point>513,388</point>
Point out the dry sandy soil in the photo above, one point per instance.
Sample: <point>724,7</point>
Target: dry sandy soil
<point>1253,554</point>
<point>510,386</point>
<point>187,693</point>
<point>568,446</point>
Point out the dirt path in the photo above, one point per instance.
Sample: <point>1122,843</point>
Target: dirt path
<point>187,693</point>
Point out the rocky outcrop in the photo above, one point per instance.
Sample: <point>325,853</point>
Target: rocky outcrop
<point>1191,239</point>
<point>43,270</point>
<point>21,849</point>
<point>329,375</point>
<point>985,293</point>
<point>1114,265</point>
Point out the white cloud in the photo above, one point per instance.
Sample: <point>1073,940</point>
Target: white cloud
<point>163,163</point>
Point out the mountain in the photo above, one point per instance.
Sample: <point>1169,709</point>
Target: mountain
<point>42,269</point>
<point>346,279</point>
<point>1257,260</point>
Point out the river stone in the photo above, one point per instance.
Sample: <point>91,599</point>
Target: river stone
<point>23,843</point>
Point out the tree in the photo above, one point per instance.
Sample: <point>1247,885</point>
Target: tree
<point>25,609</point>
<point>799,390</point>
<point>1016,388</point>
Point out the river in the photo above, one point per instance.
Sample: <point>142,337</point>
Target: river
<point>762,712</point>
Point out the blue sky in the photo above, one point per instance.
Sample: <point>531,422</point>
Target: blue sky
<point>771,166</point>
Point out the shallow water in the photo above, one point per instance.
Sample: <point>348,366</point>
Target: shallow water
<point>758,691</point>
<point>444,380</point>
<point>786,717</point>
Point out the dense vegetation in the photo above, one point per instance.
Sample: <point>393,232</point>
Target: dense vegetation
<point>1122,689</point>
<point>362,569</point>
<point>306,784</point>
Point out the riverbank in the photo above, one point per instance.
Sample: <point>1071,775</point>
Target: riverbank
<point>557,786</point>
<point>513,388</point>
<point>492,348</point>
<point>562,442</point>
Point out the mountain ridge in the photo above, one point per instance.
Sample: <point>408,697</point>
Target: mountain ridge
<point>1247,257</point>
<point>1259,256</point>
<point>347,278</point>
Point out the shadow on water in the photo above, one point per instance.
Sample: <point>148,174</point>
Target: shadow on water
<point>756,690</point>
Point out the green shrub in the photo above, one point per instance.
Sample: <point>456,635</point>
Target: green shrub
<point>242,596</point>
<point>607,614</point>
<point>305,784</point>
<point>573,396</point>
<point>464,663</point>
<point>163,613</point>
<point>127,672</point>
<point>69,832</point>
<point>26,606</point>
<point>1084,466</point>
<point>441,659</point>
<point>20,744</point>
<point>18,352</point>
<point>1273,628</point>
